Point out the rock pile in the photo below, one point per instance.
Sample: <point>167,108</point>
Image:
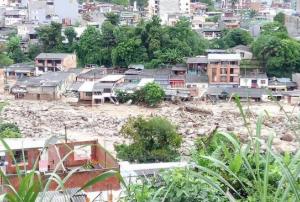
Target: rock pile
<point>43,119</point>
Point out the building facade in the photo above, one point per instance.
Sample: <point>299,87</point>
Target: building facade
<point>224,69</point>
<point>55,62</point>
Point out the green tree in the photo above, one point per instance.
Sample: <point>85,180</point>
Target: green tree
<point>33,51</point>
<point>9,130</point>
<point>70,34</point>
<point>88,49</point>
<point>237,37</point>
<point>113,18</point>
<point>279,56</point>
<point>280,17</point>
<point>152,139</point>
<point>129,52</point>
<point>4,59</point>
<point>14,50</point>
<point>274,28</point>
<point>252,13</point>
<point>152,94</point>
<point>50,37</point>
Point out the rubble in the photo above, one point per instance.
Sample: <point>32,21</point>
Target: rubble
<point>44,119</point>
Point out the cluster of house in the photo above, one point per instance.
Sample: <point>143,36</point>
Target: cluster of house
<point>213,75</point>
<point>27,15</point>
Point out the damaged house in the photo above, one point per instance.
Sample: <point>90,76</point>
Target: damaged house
<point>49,86</point>
<point>80,160</point>
<point>54,62</point>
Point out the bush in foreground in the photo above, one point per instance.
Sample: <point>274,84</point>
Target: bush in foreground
<point>152,139</point>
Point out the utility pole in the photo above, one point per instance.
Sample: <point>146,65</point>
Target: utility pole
<point>66,137</point>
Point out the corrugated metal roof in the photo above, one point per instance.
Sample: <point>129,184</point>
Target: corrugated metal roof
<point>69,195</point>
<point>241,92</point>
<point>196,79</point>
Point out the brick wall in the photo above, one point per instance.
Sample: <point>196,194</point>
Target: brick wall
<point>78,179</point>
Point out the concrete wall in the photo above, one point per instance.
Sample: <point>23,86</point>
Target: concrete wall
<point>247,82</point>
<point>244,54</point>
<point>66,9</point>
<point>69,62</point>
<point>296,78</point>
<point>84,97</point>
<point>292,24</point>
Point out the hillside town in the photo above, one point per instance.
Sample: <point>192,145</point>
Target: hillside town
<point>149,100</point>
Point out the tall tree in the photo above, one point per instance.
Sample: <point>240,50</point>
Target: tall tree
<point>88,49</point>
<point>4,59</point>
<point>50,37</point>
<point>280,17</point>
<point>14,50</point>
<point>113,18</point>
<point>70,34</point>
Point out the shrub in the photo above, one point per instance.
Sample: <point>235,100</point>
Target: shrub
<point>151,95</point>
<point>9,130</point>
<point>153,139</point>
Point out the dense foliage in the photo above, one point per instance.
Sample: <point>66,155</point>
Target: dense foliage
<point>4,58</point>
<point>151,95</point>
<point>9,130</point>
<point>149,43</point>
<point>280,17</point>
<point>277,53</point>
<point>231,38</point>
<point>152,139</point>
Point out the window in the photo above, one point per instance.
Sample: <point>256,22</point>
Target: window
<point>223,70</point>
<point>231,71</point>
<point>263,81</point>
<point>89,94</point>
<point>18,155</point>
<point>224,63</point>
<point>223,78</point>
<point>231,79</point>
<point>214,74</point>
<point>107,90</point>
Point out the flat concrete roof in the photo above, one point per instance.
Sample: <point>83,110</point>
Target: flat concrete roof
<point>224,57</point>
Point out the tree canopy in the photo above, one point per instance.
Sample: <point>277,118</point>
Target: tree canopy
<point>149,42</point>
<point>280,17</point>
<point>277,53</point>
<point>231,38</point>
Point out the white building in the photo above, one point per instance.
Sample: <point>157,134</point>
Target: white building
<point>14,16</point>
<point>4,2</point>
<point>254,81</point>
<point>44,11</point>
<point>164,8</point>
